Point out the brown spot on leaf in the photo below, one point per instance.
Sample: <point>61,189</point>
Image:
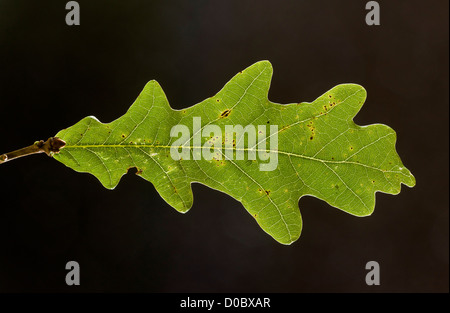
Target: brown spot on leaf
<point>225,113</point>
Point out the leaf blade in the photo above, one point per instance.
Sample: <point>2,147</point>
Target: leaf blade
<point>321,151</point>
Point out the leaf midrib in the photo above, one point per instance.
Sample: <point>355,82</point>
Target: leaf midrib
<point>139,146</point>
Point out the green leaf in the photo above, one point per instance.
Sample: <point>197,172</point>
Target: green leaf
<point>321,152</point>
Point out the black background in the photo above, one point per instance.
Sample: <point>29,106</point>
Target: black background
<point>129,239</point>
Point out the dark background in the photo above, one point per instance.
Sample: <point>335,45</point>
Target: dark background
<point>129,239</point>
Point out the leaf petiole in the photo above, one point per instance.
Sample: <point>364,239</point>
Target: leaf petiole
<point>49,147</point>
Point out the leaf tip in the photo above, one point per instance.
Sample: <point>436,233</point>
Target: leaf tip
<point>290,240</point>
<point>151,86</point>
<point>153,82</point>
<point>356,89</point>
<point>265,64</point>
<point>411,182</point>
